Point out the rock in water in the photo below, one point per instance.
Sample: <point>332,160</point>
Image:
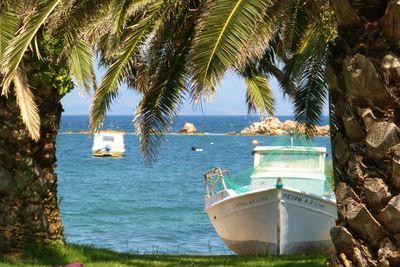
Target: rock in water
<point>188,128</point>
<point>273,126</point>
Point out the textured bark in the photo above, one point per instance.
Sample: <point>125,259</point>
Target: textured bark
<point>28,183</point>
<point>345,15</point>
<point>391,26</point>
<point>363,76</point>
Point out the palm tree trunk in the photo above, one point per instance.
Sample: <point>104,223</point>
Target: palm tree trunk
<point>28,183</point>
<point>364,85</point>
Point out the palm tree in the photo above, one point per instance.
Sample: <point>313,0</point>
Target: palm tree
<point>169,50</point>
<point>40,50</point>
<point>362,77</point>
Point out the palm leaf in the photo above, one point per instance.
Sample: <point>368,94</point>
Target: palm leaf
<point>115,75</point>
<point>223,31</point>
<point>159,106</point>
<point>259,94</point>
<point>271,63</point>
<point>81,65</point>
<point>165,84</point>
<point>8,27</point>
<point>263,40</point>
<point>27,106</point>
<point>295,26</point>
<point>123,10</point>
<point>311,95</point>
<point>18,45</point>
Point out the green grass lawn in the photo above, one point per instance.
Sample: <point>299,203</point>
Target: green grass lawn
<point>94,257</point>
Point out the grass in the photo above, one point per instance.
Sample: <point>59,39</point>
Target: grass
<point>95,257</point>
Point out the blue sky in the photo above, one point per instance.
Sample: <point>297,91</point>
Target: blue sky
<point>229,100</point>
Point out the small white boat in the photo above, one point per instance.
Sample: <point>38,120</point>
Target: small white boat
<point>282,211</point>
<point>108,143</point>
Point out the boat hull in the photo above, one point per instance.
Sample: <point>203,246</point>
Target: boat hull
<point>108,154</point>
<point>274,221</point>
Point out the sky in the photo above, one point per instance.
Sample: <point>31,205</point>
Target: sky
<point>229,100</point>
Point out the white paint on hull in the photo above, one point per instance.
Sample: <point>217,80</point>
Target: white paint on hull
<point>260,221</point>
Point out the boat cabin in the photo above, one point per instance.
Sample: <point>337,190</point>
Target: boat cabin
<point>108,143</point>
<point>298,167</point>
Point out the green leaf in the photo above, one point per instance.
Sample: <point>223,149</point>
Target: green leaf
<point>296,25</point>
<point>19,44</point>
<point>116,74</point>
<point>81,65</point>
<point>165,80</point>
<point>259,94</point>
<point>223,31</point>
<point>311,95</point>
<point>8,27</point>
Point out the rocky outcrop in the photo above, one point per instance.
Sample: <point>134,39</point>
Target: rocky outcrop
<point>273,126</point>
<point>188,128</point>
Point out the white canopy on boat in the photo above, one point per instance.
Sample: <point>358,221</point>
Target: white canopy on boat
<point>108,141</point>
<point>299,167</point>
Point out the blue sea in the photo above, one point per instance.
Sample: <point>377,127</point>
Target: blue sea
<point>121,204</point>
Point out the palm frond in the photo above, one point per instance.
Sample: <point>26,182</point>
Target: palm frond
<point>120,68</point>
<point>81,65</point>
<point>305,60</point>
<point>8,27</point>
<point>310,98</point>
<point>223,31</point>
<point>75,15</point>
<point>120,14</point>
<point>158,107</point>
<point>17,47</point>
<point>27,106</point>
<point>259,94</point>
<point>165,85</point>
<point>296,25</point>
<point>266,35</point>
<point>273,60</point>
<point>97,31</point>
<point>314,44</point>
<point>111,29</point>
<point>123,10</point>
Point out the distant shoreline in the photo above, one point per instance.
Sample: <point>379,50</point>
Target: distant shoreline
<point>183,134</point>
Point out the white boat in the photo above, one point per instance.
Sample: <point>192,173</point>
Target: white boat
<point>282,211</point>
<point>108,143</point>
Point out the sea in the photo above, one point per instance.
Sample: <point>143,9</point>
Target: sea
<point>127,206</point>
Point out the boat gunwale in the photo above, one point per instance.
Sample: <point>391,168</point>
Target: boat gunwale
<point>290,148</point>
<point>220,202</point>
<point>255,176</point>
<point>110,131</point>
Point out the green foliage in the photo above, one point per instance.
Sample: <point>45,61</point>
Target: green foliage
<point>330,183</point>
<point>305,62</point>
<point>8,27</point>
<point>166,82</point>
<point>18,45</point>
<point>81,65</point>
<point>159,56</point>
<point>48,69</point>
<point>124,64</point>
<point>259,94</point>
<point>50,31</point>
<point>311,94</point>
<point>224,30</point>
<point>172,50</point>
<point>39,256</point>
<point>58,80</point>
